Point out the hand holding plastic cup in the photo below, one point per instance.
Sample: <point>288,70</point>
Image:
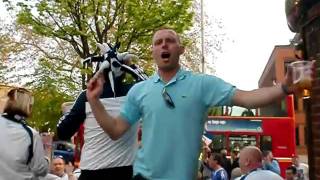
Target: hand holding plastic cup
<point>302,77</point>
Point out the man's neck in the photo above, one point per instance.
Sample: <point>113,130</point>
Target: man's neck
<point>167,75</point>
<point>61,175</point>
<point>217,167</point>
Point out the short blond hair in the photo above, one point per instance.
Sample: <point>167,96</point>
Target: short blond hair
<point>19,102</point>
<point>169,29</point>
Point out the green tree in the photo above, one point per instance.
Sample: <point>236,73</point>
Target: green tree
<point>7,47</point>
<point>47,107</point>
<point>82,24</point>
<point>215,111</point>
<point>214,40</point>
<point>58,34</point>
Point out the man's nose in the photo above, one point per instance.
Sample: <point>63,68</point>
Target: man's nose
<point>164,45</point>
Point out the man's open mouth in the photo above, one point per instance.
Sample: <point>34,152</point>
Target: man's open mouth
<point>165,55</point>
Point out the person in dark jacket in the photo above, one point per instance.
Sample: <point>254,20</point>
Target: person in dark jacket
<point>226,163</point>
<point>235,158</point>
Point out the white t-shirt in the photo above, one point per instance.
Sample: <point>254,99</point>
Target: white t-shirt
<point>303,171</point>
<point>54,177</point>
<point>261,175</point>
<point>99,150</point>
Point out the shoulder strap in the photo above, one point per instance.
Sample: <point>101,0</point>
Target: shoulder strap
<point>29,131</point>
<point>244,177</point>
<point>30,148</point>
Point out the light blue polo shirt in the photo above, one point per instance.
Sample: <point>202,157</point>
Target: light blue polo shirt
<point>171,136</point>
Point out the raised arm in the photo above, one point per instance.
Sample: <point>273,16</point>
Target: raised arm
<point>264,96</point>
<point>115,127</point>
<point>258,97</point>
<point>70,122</point>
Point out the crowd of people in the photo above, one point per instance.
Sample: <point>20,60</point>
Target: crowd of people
<point>249,164</point>
<point>172,106</point>
<point>61,170</point>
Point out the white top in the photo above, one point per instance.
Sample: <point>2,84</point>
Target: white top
<point>14,152</point>
<point>99,151</point>
<point>303,171</point>
<point>54,177</point>
<point>262,175</point>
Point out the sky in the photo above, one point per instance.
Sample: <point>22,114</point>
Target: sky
<point>255,27</point>
<point>3,15</point>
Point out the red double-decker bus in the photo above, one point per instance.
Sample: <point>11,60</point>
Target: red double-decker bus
<point>273,129</point>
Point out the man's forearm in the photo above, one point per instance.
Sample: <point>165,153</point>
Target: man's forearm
<point>258,97</point>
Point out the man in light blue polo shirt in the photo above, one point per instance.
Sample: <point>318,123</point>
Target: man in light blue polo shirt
<point>171,135</point>
<point>173,105</point>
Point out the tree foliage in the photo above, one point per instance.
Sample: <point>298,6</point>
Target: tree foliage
<point>215,111</point>
<point>50,38</point>
<point>47,107</point>
<point>83,23</point>
<point>7,47</point>
<point>30,59</point>
<point>56,35</point>
<point>214,39</point>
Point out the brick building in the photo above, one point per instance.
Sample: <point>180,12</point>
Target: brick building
<point>303,17</point>
<point>274,72</point>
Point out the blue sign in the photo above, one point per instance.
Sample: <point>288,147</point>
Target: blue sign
<point>220,125</point>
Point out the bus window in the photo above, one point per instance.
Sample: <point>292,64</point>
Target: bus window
<point>218,143</point>
<point>240,141</point>
<point>277,109</point>
<point>266,143</point>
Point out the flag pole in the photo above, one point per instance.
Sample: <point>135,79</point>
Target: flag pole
<point>202,38</point>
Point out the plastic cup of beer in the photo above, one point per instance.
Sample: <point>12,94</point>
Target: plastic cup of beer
<point>302,78</point>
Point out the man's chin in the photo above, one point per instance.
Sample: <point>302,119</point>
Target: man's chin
<point>60,174</point>
<point>165,60</point>
<point>167,68</point>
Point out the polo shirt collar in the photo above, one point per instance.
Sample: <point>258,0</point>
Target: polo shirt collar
<point>181,74</point>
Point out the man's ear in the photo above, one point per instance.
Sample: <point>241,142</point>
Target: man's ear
<point>181,50</point>
<point>247,162</point>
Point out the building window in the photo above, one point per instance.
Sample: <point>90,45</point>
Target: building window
<point>218,143</point>
<point>277,109</point>
<point>266,143</point>
<point>240,141</point>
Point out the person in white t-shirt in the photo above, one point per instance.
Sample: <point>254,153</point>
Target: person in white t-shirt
<point>302,168</point>
<point>102,157</point>
<point>251,165</point>
<point>60,170</point>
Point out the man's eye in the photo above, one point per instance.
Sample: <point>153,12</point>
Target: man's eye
<point>171,40</point>
<point>157,42</point>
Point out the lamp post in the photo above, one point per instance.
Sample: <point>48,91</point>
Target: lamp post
<point>202,38</point>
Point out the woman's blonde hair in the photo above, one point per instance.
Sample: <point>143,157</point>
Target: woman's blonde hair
<point>19,102</point>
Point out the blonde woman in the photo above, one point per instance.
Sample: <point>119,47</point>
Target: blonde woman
<point>21,151</point>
